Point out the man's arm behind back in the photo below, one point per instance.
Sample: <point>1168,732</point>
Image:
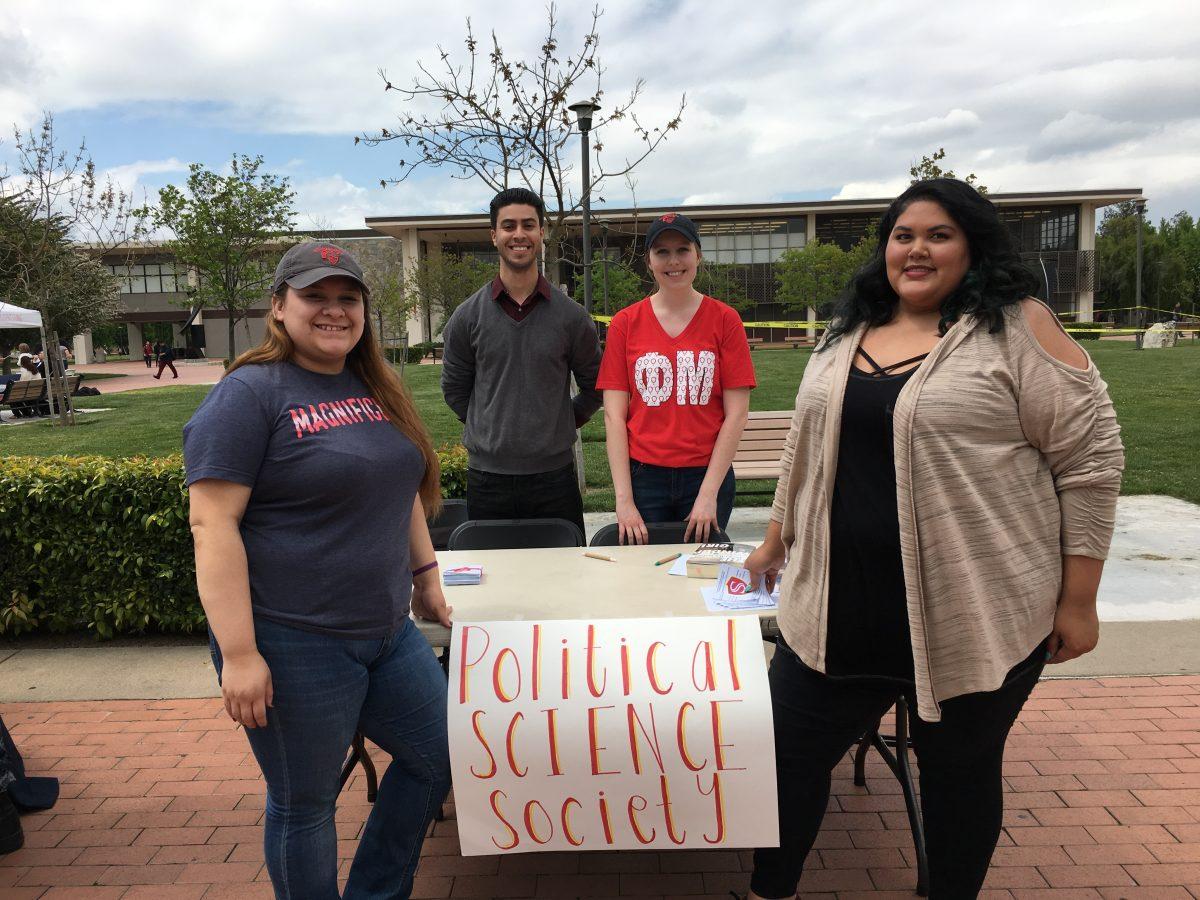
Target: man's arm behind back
<point>458,361</point>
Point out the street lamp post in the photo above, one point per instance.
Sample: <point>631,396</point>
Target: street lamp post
<point>584,110</point>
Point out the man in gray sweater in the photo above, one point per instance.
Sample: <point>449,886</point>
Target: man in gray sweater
<point>510,351</point>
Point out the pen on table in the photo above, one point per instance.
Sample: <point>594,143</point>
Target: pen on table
<point>667,559</point>
<point>590,555</point>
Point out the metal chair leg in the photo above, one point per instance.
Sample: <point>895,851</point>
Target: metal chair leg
<point>860,757</point>
<point>898,763</point>
<point>358,755</point>
<point>904,776</point>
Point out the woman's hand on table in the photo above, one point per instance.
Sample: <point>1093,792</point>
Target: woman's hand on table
<point>630,527</point>
<point>702,520</point>
<point>246,688</point>
<point>1076,631</point>
<point>429,603</point>
<point>766,560</point>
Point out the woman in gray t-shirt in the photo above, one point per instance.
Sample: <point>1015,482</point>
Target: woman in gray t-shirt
<point>310,476</point>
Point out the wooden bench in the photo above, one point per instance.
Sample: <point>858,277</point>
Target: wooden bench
<point>753,342</point>
<point>33,390</point>
<point>761,446</point>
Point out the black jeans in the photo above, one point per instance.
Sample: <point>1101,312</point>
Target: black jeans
<point>817,719</point>
<point>544,495</point>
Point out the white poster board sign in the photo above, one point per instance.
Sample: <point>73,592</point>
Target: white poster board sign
<point>611,734</point>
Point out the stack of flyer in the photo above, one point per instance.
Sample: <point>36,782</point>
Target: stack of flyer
<point>734,590</point>
<point>466,574</point>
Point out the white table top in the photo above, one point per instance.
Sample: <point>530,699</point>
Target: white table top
<point>562,583</point>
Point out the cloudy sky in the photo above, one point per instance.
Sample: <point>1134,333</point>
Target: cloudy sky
<point>787,100</point>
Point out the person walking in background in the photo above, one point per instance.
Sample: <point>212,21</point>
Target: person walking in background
<point>676,377</point>
<point>946,501</point>
<point>510,351</point>
<point>148,354</point>
<point>166,359</point>
<point>310,477</point>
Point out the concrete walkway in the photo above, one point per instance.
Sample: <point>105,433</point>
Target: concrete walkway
<point>192,371</point>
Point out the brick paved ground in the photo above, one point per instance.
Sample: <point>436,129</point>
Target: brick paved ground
<point>162,800</point>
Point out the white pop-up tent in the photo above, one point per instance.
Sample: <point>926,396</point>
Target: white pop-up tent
<point>16,317</point>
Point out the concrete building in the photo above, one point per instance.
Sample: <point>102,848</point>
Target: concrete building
<point>1055,232</point>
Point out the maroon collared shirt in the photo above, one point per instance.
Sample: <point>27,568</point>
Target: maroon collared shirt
<point>518,311</point>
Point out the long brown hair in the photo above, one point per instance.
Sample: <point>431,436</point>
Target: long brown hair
<point>367,362</point>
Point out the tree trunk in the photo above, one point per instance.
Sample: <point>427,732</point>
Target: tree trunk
<point>232,337</point>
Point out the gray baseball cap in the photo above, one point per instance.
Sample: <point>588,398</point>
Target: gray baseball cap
<point>308,263</point>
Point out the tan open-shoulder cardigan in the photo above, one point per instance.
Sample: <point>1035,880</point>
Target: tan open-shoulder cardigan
<point>1006,460</point>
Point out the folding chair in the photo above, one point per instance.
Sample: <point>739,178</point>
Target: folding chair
<point>453,514</point>
<point>659,533</point>
<point>898,763</point>
<point>515,534</point>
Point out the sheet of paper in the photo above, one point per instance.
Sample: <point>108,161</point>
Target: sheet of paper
<point>679,567</point>
<point>612,734</point>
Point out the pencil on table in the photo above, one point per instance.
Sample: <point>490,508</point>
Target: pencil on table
<point>667,559</point>
<point>591,555</point>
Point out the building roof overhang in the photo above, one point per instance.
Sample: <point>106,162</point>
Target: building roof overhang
<point>397,225</point>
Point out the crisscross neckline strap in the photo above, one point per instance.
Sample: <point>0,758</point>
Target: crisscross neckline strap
<point>879,371</point>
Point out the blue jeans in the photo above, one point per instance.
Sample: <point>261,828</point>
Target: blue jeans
<point>667,494</point>
<point>326,687</point>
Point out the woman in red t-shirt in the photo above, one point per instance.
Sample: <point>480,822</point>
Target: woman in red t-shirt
<point>676,377</point>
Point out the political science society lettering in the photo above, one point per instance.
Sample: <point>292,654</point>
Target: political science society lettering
<point>611,734</point>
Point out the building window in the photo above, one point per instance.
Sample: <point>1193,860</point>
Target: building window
<point>845,229</point>
<point>751,242</point>
<point>151,278</point>
<point>1042,229</point>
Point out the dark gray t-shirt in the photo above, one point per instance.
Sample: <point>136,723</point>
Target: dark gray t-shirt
<point>333,482</point>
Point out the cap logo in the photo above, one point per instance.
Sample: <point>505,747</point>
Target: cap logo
<point>668,218</point>
<point>331,255</point>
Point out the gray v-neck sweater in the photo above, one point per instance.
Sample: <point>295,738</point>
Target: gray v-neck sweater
<point>510,382</point>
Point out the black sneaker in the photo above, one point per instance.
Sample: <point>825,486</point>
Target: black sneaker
<point>11,836</point>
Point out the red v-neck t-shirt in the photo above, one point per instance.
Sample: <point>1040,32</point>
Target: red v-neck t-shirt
<point>676,384</point>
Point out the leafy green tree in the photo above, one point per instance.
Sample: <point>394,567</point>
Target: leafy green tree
<point>42,269</point>
<point>58,218</point>
<point>1181,241</point>
<point>726,282</point>
<point>437,284</point>
<point>228,230</point>
<point>615,284</point>
<point>812,276</point>
<point>930,167</point>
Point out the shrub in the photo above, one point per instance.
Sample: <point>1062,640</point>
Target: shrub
<point>96,543</point>
<point>1086,331</point>
<point>103,544</point>
<point>454,471</point>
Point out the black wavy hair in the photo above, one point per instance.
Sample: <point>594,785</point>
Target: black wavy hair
<point>996,279</point>
<point>523,196</point>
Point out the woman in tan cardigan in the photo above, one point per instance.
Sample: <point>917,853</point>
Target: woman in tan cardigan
<point>946,502</point>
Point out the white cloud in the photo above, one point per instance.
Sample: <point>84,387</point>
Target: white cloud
<point>784,97</point>
<point>1078,132</point>
<point>954,123</point>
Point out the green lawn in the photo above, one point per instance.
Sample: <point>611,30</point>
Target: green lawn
<point>1157,395</point>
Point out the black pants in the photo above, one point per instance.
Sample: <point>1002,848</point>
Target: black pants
<point>165,364</point>
<point>544,495</point>
<point>817,719</point>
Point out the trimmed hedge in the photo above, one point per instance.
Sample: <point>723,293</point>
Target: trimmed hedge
<point>103,544</point>
<point>1087,331</point>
